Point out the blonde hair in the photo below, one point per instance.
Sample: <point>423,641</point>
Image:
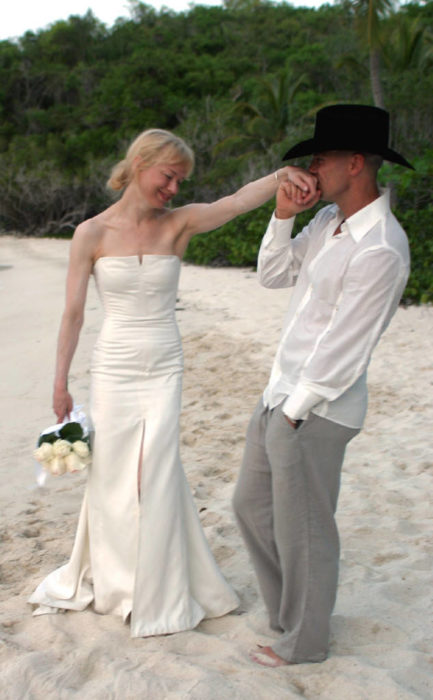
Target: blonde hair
<point>152,146</point>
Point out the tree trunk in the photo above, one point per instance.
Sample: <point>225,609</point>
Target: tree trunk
<point>376,84</point>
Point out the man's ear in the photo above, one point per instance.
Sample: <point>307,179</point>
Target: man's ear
<point>357,163</point>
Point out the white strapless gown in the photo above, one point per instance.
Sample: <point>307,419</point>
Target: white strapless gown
<point>140,555</point>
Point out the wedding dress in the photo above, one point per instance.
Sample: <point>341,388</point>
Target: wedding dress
<point>138,551</point>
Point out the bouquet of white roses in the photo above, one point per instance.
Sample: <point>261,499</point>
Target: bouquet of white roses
<point>64,447</point>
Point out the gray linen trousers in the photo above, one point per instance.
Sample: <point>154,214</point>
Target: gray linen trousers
<point>285,502</point>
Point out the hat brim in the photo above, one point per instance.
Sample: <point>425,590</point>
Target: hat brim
<point>310,146</point>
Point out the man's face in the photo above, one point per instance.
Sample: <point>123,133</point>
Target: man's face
<point>332,171</point>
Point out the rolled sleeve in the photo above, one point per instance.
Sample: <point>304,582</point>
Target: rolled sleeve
<point>278,233</point>
<point>275,262</point>
<point>300,402</point>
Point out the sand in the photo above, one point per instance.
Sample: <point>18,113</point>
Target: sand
<point>382,629</point>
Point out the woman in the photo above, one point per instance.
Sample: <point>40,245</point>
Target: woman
<point>139,549</point>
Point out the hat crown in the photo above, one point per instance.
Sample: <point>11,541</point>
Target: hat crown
<point>344,127</point>
<point>352,127</point>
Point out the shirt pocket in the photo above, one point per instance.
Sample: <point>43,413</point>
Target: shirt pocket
<point>326,291</point>
<point>327,276</point>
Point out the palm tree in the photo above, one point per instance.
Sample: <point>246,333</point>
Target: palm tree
<point>266,120</point>
<point>401,44</point>
<point>370,14</point>
<point>407,45</point>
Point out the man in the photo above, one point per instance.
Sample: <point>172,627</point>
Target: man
<point>348,267</point>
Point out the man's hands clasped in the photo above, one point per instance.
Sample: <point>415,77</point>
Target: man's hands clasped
<point>298,193</point>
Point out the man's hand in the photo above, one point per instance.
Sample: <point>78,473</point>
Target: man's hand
<point>291,199</point>
<point>294,423</point>
<point>303,179</point>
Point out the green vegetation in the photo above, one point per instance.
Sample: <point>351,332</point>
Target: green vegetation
<point>241,83</point>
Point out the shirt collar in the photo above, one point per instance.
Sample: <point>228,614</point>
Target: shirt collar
<point>360,223</point>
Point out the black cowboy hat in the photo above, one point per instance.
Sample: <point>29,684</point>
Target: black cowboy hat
<point>350,128</point>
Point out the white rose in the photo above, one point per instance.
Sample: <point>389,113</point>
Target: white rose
<point>57,466</point>
<point>44,452</point>
<point>74,463</point>
<point>81,448</point>
<point>61,448</point>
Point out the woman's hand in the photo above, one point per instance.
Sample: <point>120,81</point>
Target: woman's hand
<point>291,199</point>
<point>62,404</point>
<point>302,179</point>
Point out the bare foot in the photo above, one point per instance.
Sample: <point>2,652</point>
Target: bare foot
<point>265,656</point>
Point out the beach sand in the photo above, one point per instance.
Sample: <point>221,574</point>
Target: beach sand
<point>382,628</point>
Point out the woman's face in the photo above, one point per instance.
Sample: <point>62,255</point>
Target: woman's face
<point>159,183</point>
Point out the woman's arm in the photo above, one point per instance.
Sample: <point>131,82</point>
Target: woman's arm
<point>198,218</point>
<point>80,267</point>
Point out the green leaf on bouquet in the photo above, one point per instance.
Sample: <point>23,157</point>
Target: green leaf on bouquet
<point>49,437</point>
<point>71,432</point>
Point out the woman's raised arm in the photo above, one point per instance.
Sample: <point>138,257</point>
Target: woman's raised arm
<point>199,218</point>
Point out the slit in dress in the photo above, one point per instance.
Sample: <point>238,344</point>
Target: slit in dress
<point>140,462</point>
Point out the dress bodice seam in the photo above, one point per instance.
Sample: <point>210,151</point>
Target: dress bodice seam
<point>138,257</point>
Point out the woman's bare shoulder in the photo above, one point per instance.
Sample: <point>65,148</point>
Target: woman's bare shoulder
<point>88,235</point>
<point>91,227</point>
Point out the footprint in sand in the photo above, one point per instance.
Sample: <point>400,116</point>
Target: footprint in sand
<point>386,557</point>
<point>350,633</point>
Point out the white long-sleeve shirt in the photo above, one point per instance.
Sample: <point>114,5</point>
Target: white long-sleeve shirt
<point>347,288</point>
